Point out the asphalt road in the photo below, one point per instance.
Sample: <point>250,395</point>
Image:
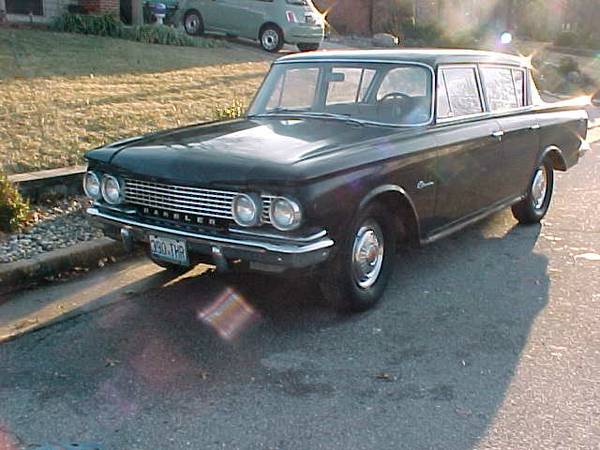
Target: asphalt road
<point>488,339</point>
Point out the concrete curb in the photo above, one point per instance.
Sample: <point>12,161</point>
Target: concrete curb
<point>85,255</point>
<point>63,181</point>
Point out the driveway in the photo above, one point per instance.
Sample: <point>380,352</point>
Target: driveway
<point>487,339</point>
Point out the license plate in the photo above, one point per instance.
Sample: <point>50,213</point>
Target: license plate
<point>167,249</point>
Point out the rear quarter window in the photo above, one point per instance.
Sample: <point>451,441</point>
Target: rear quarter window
<point>504,87</point>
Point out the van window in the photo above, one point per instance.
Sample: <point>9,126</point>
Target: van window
<point>354,86</point>
<point>501,88</point>
<point>462,90</point>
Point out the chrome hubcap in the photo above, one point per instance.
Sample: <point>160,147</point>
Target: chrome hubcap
<point>367,255</point>
<point>191,24</point>
<point>539,187</point>
<point>270,39</point>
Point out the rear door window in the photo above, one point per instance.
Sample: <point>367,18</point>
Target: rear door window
<point>462,91</point>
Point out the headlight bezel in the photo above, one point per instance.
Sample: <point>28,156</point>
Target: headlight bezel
<point>296,211</point>
<point>256,201</point>
<point>111,178</point>
<point>98,195</point>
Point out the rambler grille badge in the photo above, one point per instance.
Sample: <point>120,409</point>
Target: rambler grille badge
<point>184,218</point>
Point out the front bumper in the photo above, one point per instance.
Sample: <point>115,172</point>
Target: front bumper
<point>263,251</point>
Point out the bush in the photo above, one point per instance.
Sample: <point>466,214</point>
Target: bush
<point>160,34</point>
<point>109,26</point>
<point>14,210</point>
<point>566,39</point>
<point>97,25</point>
<point>227,112</point>
<point>568,65</point>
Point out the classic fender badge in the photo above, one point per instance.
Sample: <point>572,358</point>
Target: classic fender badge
<point>424,184</point>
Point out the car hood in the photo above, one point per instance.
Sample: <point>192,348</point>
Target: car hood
<point>244,151</point>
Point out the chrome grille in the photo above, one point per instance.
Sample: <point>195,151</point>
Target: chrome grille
<point>185,199</point>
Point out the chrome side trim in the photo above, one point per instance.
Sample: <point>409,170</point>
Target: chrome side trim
<point>120,209</point>
<point>249,244</point>
<point>312,237</point>
<point>463,223</point>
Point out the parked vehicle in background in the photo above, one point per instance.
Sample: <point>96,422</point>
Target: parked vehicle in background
<point>271,22</point>
<point>342,157</point>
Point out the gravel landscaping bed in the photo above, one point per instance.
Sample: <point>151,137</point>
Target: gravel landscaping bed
<point>57,225</point>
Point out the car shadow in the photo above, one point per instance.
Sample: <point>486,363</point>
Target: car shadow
<point>253,360</point>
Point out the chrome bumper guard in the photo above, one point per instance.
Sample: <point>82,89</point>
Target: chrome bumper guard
<point>292,252</point>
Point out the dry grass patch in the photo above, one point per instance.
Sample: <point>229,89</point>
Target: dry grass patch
<point>80,95</point>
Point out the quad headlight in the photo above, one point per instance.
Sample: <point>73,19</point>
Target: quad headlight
<point>285,214</point>
<point>91,185</point>
<point>246,209</point>
<point>111,190</point>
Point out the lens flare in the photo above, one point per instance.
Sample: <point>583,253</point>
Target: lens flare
<point>506,38</point>
<point>229,314</point>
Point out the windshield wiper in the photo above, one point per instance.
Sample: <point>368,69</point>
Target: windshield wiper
<point>343,117</point>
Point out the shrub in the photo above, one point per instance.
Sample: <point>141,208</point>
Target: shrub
<point>97,25</point>
<point>566,39</point>
<point>109,26</point>
<point>231,111</point>
<point>162,34</point>
<point>14,210</point>
<point>568,65</point>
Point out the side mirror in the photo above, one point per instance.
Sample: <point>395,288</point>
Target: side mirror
<point>596,99</point>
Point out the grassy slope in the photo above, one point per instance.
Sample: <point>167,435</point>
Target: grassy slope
<point>61,94</point>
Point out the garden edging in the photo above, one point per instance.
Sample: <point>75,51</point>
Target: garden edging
<point>85,255</point>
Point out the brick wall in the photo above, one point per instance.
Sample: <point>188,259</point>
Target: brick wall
<point>101,6</point>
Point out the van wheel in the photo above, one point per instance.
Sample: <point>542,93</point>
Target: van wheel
<point>534,206</point>
<point>271,38</point>
<point>359,272</point>
<point>193,23</point>
<point>308,47</point>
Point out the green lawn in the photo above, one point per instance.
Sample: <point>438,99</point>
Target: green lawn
<point>61,94</point>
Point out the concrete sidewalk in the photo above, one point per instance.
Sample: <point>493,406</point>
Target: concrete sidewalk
<point>31,310</point>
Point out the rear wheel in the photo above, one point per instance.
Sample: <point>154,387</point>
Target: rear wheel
<point>271,38</point>
<point>534,206</point>
<point>358,274</point>
<point>193,23</point>
<point>308,47</point>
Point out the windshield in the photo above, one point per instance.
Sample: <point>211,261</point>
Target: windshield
<point>392,94</point>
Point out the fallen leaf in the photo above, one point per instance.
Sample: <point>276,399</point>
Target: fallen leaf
<point>385,376</point>
<point>111,362</point>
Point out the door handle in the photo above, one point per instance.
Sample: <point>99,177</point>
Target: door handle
<point>498,134</point>
<point>537,126</point>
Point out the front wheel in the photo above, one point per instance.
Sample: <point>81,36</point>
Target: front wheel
<point>308,47</point>
<point>271,38</point>
<point>193,23</point>
<point>358,274</point>
<point>534,206</point>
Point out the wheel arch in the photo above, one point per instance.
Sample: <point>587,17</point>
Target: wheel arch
<point>270,23</point>
<point>403,207</point>
<point>555,155</point>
